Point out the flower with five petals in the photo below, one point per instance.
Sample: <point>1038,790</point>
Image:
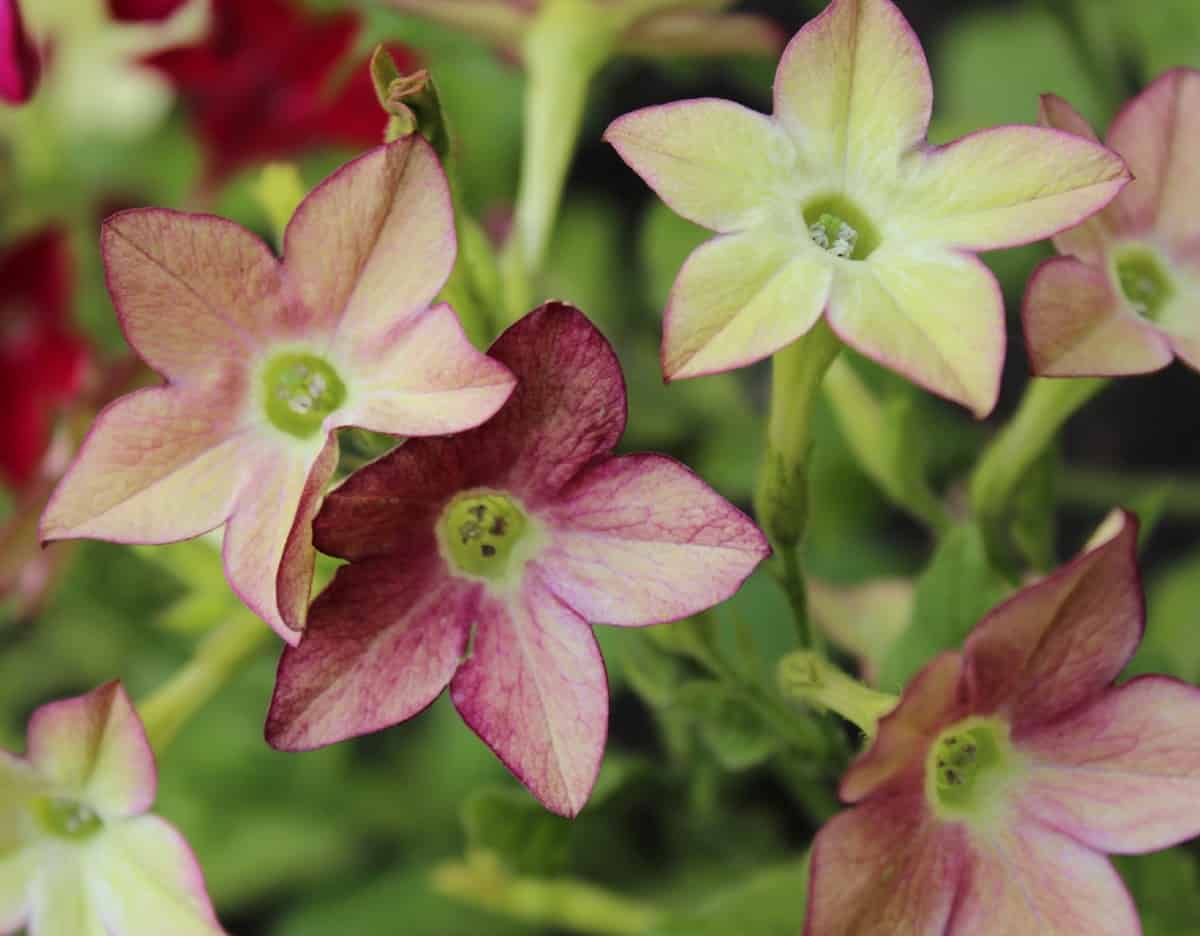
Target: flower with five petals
<point>264,359</point>
<point>836,205</point>
<point>1125,296</point>
<point>993,790</point>
<point>80,855</point>
<point>479,559</point>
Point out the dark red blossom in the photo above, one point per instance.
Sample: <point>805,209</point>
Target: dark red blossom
<point>270,81</point>
<point>143,11</point>
<point>42,361</point>
<point>19,65</point>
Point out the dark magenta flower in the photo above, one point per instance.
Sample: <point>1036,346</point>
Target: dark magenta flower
<point>477,561</point>
<point>994,789</point>
<point>143,11</point>
<point>262,85</point>
<point>20,67</point>
<point>42,361</point>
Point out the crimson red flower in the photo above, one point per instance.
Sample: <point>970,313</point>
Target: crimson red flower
<point>263,85</point>
<point>42,361</point>
<point>143,11</point>
<point>19,66</point>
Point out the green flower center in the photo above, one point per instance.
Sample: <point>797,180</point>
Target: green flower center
<point>837,225</point>
<point>1144,281</point>
<point>301,390</point>
<point>967,767</point>
<point>480,531</point>
<point>66,818</point>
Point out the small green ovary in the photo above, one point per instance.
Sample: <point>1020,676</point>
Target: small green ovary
<point>66,818</point>
<point>836,225</point>
<point>300,391</point>
<point>480,531</point>
<point>966,765</point>
<point>1144,282</point>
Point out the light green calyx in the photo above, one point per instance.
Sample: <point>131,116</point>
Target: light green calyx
<point>1144,281</point>
<point>300,391</point>
<point>967,766</point>
<point>836,225</point>
<point>66,818</point>
<point>480,531</point>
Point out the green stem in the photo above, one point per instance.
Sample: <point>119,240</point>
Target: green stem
<point>216,661</point>
<point>781,501</point>
<point>1101,66</point>
<point>1098,487</point>
<point>1047,405</point>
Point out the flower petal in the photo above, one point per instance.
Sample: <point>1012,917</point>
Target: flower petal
<point>712,161</point>
<point>1179,319</point>
<point>1158,133</point>
<point>94,746</point>
<point>268,552</point>
<point>20,67</point>
<point>1076,325</point>
<point>938,319</point>
<point>1058,643</point>
<point>18,782</point>
<point>429,380</point>
<point>383,641</point>
<point>740,298</point>
<point>1006,186</point>
<point>158,465</point>
<point>641,539</point>
<point>1037,881</point>
<point>145,881</point>
<point>60,904</point>
<point>534,689</point>
<point>141,11</point>
<point>700,32</point>
<point>1123,773</point>
<point>853,88</point>
<point>1088,240</point>
<point>373,244</point>
<point>884,867</point>
<point>195,294</point>
<point>17,871</point>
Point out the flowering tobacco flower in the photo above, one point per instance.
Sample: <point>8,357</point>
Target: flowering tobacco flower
<point>645,27</point>
<point>42,361</point>
<point>837,205</point>
<point>264,359</point>
<point>478,560</point>
<point>79,852</point>
<point>142,11</point>
<point>19,63</point>
<point>992,790</point>
<point>259,88</point>
<point>1125,297</point>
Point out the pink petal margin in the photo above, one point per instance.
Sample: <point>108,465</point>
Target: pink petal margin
<point>534,688</point>
<point>95,746</point>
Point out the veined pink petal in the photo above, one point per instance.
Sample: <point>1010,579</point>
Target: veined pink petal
<point>740,298</point>
<point>853,88</point>
<point>1060,642</point>
<point>372,245</point>
<point>95,746</point>
<point>1121,774</point>
<point>382,643</point>
<point>931,701</point>
<point>196,295</point>
<point>268,552</point>
<point>712,161</point>
<point>17,870</point>
<point>1006,186</point>
<point>937,318</point>
<point>19,64</point>
<point>640,539</point>
<point>428,380</point>
<point>703,32</point>
<point>885,867</point>
<point>1088,240</point>
<point>144,881</point>
<point>1034,880</point>
<point>60,904</point>
<point>1158,133</point>
<point>1076,325</point>
<point>534,689</point>
<point>158,465</point>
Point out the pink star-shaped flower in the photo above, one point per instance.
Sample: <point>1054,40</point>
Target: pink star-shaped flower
<point>265,359</point>
<point>20,67</point>
<point>478,560</point>
<point>1125,297</point>
<point>992,791</point>
<point>79,851</point>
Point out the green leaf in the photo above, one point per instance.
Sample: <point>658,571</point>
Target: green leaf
<point>957,588</point>
<point>1170,644</point>
<point>516,827</point>
<point>1166,889</point>
<point>730,728</point>
<point>768,902</point>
